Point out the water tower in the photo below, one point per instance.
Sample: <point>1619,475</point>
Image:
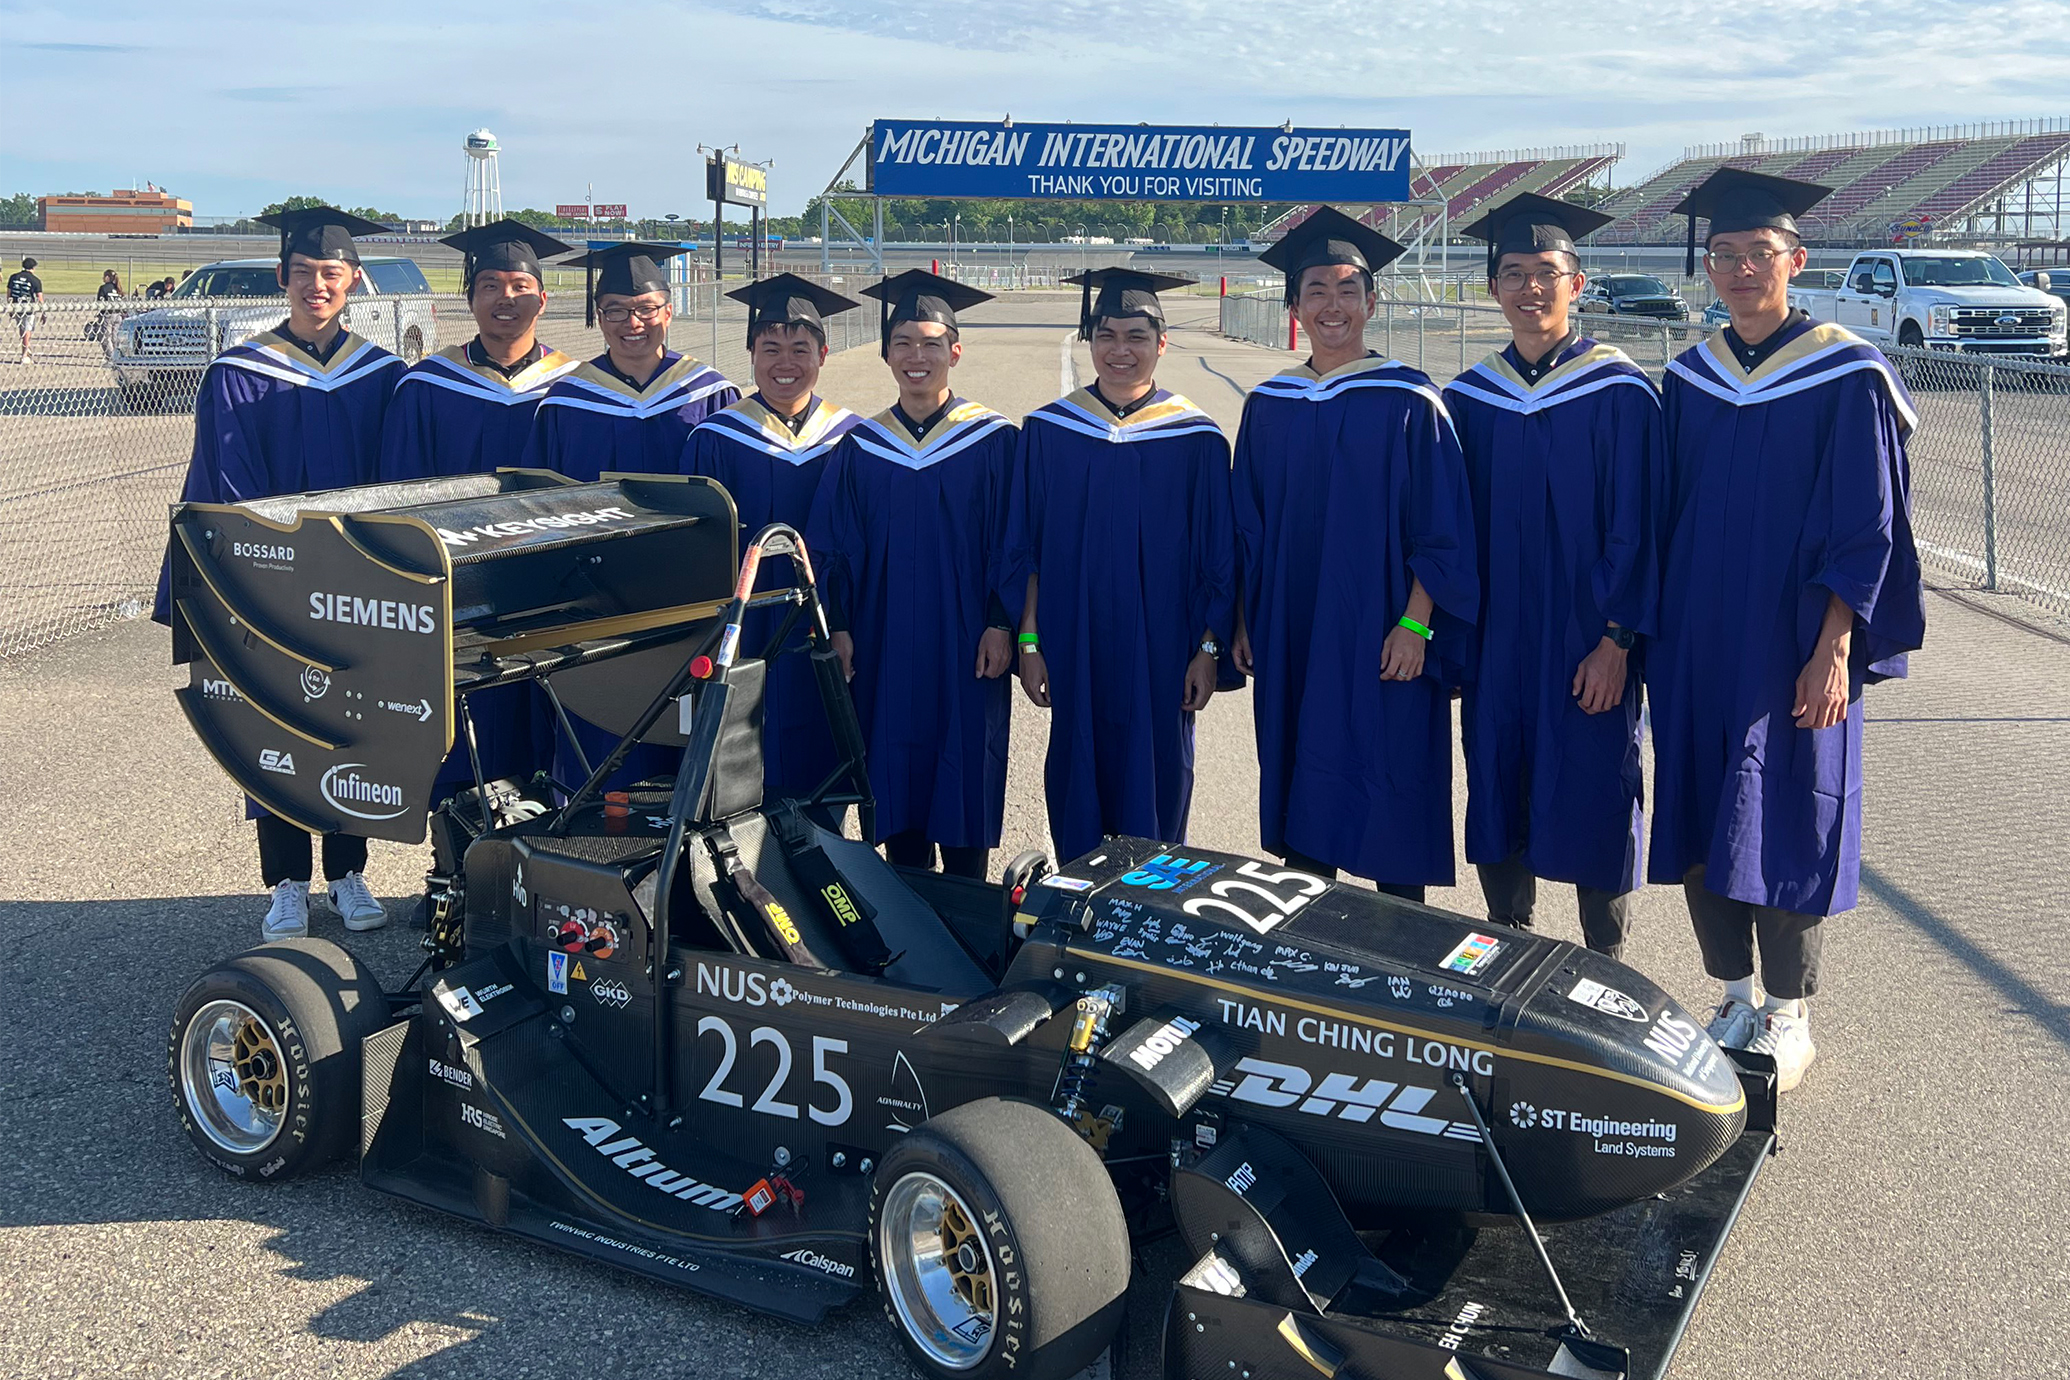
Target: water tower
<point>483,200</point>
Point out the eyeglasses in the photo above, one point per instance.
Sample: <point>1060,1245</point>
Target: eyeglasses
<point>1514,279</point>
<point>1727,261</point>
<point>618,316</point>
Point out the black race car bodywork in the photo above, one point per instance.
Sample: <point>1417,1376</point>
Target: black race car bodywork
<point>692,1034</point>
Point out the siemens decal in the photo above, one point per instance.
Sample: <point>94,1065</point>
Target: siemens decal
<point>373,613</point>
<point>965,158</point>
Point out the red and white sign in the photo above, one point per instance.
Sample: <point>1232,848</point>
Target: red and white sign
<point>603,211</point>
<point>578,211</point>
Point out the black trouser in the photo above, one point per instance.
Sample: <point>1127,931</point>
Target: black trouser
<point>1726,931</point>
<point>1303,863</point>
<point>913,849</point>
<point>285,854</point>
<point>1512,892</point>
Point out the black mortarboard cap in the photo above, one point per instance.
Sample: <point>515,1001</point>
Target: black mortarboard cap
<point>1534,224</point>
<point>917,295</point>
<point>1733,199</point>
<point>1122,292</point>
<point>509,246</point>
<point>1329,236</point>
<point>631,269</point>
<point>790,300</point>
<point>320,232</point>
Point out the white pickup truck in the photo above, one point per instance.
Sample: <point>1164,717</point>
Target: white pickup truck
<point>1943,299</point>
<point>158,354</point>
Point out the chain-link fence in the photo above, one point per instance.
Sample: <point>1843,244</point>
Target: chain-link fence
<point>1990,458</point>
<point>97,426</point>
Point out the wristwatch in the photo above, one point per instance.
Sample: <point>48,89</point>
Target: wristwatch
<point>1210,646</point>
<point>1624,638</point>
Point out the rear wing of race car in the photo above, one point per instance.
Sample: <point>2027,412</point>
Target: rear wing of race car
<point>330,635</point>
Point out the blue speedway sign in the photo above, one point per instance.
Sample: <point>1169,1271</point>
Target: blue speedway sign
<point>969,158</point>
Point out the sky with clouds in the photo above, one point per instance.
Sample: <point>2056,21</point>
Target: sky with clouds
<point>233,103</point>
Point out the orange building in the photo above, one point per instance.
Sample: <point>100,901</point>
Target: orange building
<point>148,212</point>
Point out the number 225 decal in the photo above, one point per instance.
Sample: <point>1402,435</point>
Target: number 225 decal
<point>1252,880</point>
<point>771,1103</point>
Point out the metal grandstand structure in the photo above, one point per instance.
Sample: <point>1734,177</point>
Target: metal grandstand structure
<point>1449,187</point>
<point>1998,183</point>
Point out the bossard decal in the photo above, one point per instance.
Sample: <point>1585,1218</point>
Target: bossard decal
<point>490,531</point>
<point>749,987</point>
<point>482,1121</point>
<point>1357,1038</point>
<point>1162,1042</point>
<point>1607,1000</point>
<point>805,1255</point>
<point>1400,1107</point>
<point>274,760</point>
<point>352,794</point>
<point>448,1073</point>
<point>632,1155</point>
<point>373,613</point>
<point>1461,1325</point>
<point>263,555</point>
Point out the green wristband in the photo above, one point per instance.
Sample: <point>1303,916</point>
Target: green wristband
<point>1417,628</point>
<point>1030,640</point>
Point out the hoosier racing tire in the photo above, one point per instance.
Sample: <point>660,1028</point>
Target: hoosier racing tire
<point>264,1057</point>
<point>999,1244</point>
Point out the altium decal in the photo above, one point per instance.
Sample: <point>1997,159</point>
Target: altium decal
<point>632,1155</point>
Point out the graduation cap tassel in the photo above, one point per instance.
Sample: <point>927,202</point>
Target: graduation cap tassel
<point>589,291</point>
<point>1689,259</point>
<point>1085,323</point>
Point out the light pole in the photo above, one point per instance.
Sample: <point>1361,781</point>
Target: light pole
<point>955,233</point>
<point>1081,249</point>
<point>1009,245</point>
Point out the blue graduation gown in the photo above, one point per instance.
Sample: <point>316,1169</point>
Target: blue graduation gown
<point>451,416</point>
<point>592,422</point>
<point>1127,524</point>
<point>1347,488</point>
<point>1782,487</point>
<point>773,476</point>
<point>1563,473</point>
<point>911,533</point>
<point>270,420</point>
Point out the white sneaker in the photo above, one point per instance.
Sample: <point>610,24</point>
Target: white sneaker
<point>355,904</point>
<point>1734,1023</point>
<point>289,916</point>
<point>1787,1040</point>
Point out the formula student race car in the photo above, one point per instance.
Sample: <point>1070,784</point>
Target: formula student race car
<point>692,1033</point>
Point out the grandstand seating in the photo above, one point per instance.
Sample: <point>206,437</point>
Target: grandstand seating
<point>1876,183</point>
<point>1465,187</point>
<point>1879,180</point>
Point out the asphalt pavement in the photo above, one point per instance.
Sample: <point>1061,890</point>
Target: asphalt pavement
<point>1914,1225</point>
